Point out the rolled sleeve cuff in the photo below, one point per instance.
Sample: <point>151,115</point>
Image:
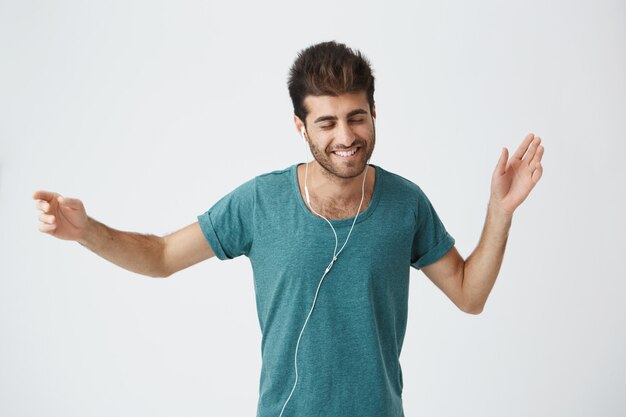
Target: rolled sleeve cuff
<point>435,253</point>
<point>209,233</point>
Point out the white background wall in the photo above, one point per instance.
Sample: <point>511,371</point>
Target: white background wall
<point>151,111</point>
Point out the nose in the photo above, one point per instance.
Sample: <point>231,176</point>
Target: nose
<point>345,135</point>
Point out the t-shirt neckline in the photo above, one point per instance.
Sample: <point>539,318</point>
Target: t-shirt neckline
<point>343,222</point>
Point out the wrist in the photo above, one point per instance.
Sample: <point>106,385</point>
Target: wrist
<point>497,210</point>
<point>86,232</point>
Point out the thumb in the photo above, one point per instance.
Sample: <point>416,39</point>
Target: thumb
<point>501,166</point>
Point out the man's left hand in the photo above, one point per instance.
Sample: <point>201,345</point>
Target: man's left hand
<point>513,179</point>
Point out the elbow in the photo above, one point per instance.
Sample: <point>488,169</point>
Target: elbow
<point>159,272</point>
<point>164,273</point>
<point>474,311</point>
<point>467,304</point>
<point>163,268</point>
<point>473,308</point>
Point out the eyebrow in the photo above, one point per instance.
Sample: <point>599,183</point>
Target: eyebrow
<point>352,113</point>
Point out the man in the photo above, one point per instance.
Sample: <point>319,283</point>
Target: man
<point>331,243</point>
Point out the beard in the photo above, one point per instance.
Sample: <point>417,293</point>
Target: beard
<point>335,166</point>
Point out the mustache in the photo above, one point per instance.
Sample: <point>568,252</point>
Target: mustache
<point>359,144</point>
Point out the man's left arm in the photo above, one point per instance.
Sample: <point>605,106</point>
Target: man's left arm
<point>468,283</point>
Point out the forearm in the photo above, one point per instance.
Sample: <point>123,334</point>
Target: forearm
<point>135,252</point>
<point>483,265</point>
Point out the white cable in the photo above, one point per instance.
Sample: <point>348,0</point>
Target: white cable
<point>328,268</point>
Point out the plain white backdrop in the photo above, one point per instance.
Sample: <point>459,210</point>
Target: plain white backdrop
<point>149,112</point>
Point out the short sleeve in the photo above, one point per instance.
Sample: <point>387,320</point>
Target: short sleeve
<point>228,226</point>
<point>431,240</point>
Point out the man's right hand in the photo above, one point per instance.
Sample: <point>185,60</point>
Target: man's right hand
<point>150,255</point>
<point>62,217</point>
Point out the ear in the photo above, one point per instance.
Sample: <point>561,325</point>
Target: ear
<point>299,125</point>
<point>373,110</point>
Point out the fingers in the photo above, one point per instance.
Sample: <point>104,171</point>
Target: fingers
<point>519,153</point>
<point>537,174</point>
<point>535,165</point>
<point>46,228</point>
<point>532,150</point>
<point>42,205</point>
<point>47,218</point>
<point>48,223</point>
<point>536,159</point>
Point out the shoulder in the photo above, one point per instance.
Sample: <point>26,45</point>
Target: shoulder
<point>273,179</point>
<point>268,188</point>
<point>276,175</point>
<point>399,186</point>
<point>274,182</point>
<point>401,191</point>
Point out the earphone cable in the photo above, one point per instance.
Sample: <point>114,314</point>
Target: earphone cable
<point>330,265</point>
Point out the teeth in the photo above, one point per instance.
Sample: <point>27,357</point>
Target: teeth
<point>346,153</point>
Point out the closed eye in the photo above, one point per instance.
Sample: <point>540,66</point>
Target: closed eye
<point>353,121</point>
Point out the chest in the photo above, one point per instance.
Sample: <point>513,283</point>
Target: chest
<point>296,242</point>
<point>334,210</point>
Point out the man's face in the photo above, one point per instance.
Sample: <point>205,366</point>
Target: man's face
<point>341,132</point>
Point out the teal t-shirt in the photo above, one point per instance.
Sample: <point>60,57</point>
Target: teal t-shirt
<point>349,353</point>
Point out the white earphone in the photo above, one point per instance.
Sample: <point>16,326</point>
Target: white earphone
<point>306,189</point>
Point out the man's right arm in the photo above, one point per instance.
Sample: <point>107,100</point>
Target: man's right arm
<point>155,256</point>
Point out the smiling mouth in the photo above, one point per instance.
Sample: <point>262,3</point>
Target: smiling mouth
<point>347,154</point>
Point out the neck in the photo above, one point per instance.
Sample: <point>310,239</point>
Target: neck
<point>330,187</point>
